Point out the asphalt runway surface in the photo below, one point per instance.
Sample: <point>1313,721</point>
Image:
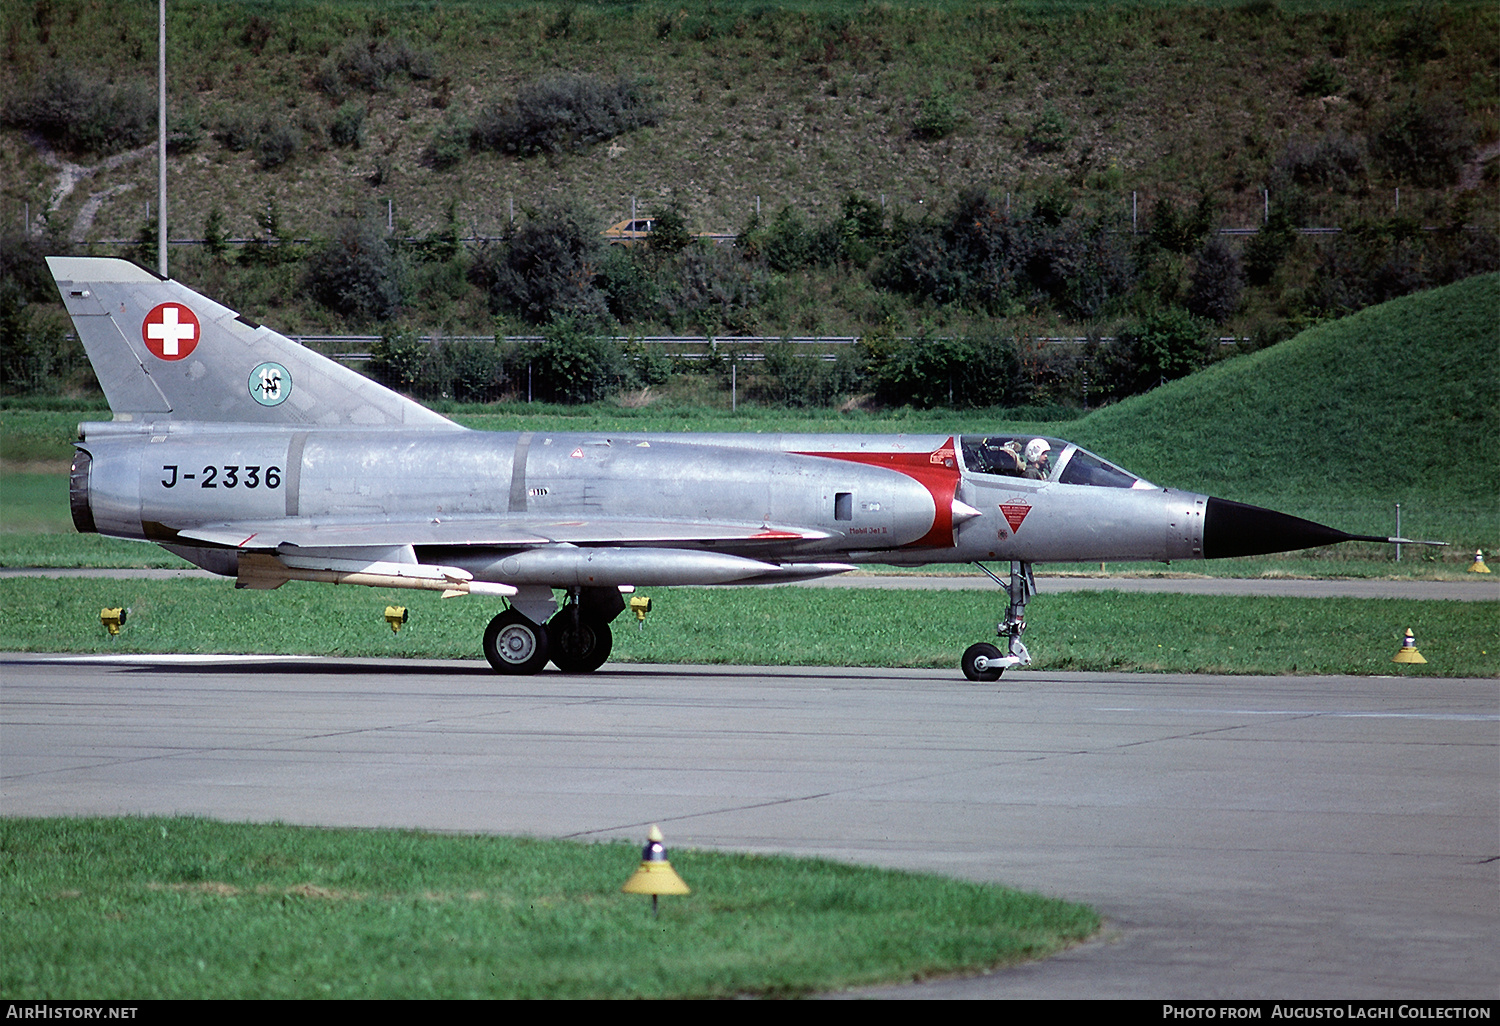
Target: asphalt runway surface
<point>1245,837</point>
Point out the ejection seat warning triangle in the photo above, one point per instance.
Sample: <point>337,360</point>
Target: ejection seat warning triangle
<point>1014,513</point>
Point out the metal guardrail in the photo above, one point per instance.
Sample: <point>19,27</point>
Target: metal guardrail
<point>717,239</point>
<point>356,348</point>
<point>712,343</point>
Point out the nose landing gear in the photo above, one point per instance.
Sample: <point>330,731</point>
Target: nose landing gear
<point>986,662</point>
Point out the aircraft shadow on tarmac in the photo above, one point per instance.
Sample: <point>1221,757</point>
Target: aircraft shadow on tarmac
<point>621,672</point>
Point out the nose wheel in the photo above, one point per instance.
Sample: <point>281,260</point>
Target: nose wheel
<point>986,662</point>
<point>981,662</point>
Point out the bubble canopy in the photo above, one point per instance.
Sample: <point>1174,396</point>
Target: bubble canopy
<point>1041,458</point>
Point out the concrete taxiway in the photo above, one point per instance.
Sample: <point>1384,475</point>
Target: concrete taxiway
<point>1245,837</point>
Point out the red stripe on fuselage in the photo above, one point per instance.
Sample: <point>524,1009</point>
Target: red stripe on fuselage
<point>937,471</point>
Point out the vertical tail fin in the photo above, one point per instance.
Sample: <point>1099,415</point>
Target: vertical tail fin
<point>163,352</point>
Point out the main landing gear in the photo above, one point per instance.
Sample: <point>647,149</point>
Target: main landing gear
<point>514,644</point>
<point>577,638</point>
<point>985,662</point>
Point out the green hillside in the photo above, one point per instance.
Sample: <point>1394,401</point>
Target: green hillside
<point>1397,403</point>
<point>838,137</point>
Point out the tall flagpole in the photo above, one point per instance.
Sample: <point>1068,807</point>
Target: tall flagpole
<point>161,138</point>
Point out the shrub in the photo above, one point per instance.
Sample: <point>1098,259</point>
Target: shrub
<point>269,248</point>
<point>1417,37</point>
<point>573,365</point>
<point>147,240</point>
<point>83,113</point>
<point>939,116</point>
<point>276,143</point>
<point>273,138</point>
<point>565,112</point>
<point>449,143</point>
<point>238,130</point>
<point>1052,207</point>
<point>1425,143</point>
<point>1372,263</point>
<point>23,261</point>
<point>982,257</point>
<point>1049,132</point>
<point>632,293</point>
<point>184,131</point>
<point>713,290</point>
<point>372,65</point>
<point>348,125</point>
<point>669,231</point>
<point>861,230</point>
<point>800,380</point>
<point>1217,282</point>
<point>1461,253</point>
<point>1166,345</point>
<point>649,364</point>
<point>1106,370</point>
<point>957,373</point>
<point>1335,161</point>
<point>786,242</point>
<point>1181,233</point>
<point>1322,79</point>
<point>466,370</point>
<point>36,354</point>
<point>974,256</point>
<point>547,268</point>
<point>1269,247</point>
<point>1078,267</point>
<point>443,244</point>
<point>356,273</point>
<point>396,358</point>
<point>789,243</point>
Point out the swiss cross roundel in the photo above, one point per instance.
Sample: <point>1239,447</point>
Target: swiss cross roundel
<point>170,331</point>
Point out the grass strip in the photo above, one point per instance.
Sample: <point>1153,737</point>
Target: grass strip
<point>92,551</point>
<point>143,908</point>
<point>781,627</point>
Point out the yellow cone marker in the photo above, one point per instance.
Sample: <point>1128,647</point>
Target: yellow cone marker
<point>1408,653</point>
<point>1479,567</point>
<point>655,875</point>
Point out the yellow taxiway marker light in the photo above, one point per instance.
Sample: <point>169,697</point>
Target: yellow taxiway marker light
<point>640,605</point>
<point>655,875</point>
<point>1478,567</point>
<point>395,616</point>
<point>1408,653</point>
<point>113,619</point>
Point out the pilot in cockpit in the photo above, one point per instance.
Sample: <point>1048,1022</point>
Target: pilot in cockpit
<point>1038,459</point>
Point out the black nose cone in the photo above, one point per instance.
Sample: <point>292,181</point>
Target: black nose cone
<point>1235,529</point>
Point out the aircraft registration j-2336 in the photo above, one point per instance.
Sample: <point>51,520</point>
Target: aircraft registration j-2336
<point>256,458</point>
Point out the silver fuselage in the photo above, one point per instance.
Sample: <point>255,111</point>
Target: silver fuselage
<point>450,492</point>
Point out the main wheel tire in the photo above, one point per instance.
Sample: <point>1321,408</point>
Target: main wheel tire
<point>579,648</point>
<point>514,644</point>
<point>978,662</point>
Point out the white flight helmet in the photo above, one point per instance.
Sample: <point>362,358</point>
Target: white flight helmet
<point>1036,449</point>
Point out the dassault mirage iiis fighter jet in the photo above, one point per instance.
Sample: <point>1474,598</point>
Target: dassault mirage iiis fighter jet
<point>256,458</point>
